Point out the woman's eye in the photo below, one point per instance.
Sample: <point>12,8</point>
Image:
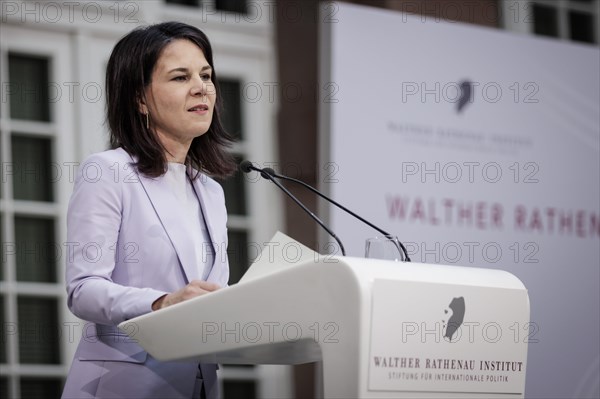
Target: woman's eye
<point>205,77</point>
<point>180,78</point>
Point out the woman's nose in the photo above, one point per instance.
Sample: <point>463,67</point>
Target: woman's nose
<point>199,87</point>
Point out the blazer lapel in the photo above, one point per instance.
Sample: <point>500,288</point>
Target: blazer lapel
<point>209,217</point>
<point>171,215</point>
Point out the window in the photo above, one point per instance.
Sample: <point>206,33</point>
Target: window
<point>576,20</point>
<point>39,387</point>
<point>192,3</point>
<point>231,95</point>
<point>545,20</point>
<point>237,252</point>
<point>237,6</point>
<point>32,166</point>
<point>240,389</point>
<point>581,26</point>
<point>232,6</point>
<point>35,249</point>
<point>38,330</point>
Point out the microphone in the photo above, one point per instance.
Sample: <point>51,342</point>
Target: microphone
<point>320,194</point>
<point>247,166</point>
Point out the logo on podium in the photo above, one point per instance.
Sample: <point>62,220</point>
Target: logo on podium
<point>455,321</point>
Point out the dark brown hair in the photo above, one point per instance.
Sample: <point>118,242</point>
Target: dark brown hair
<point>129,72</point>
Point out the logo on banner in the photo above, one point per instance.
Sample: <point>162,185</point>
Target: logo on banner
<point>466,95</point>
<point>457,305</point>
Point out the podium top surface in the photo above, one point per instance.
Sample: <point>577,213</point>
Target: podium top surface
<point>310,293</point>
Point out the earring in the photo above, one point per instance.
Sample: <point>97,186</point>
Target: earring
<point>148,120</point>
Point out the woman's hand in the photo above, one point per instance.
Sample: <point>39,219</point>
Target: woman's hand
<point>192,290</point>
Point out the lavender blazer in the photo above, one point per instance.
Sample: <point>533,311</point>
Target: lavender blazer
<point>126,250</point>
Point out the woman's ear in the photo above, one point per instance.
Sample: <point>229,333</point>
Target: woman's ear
<point>142,107</point>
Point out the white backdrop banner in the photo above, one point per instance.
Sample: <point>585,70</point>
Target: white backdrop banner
<point>480,148</point>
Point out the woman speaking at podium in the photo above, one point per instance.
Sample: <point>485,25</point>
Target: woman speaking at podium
<point>146,226</point>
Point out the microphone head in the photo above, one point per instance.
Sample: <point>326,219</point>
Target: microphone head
<point>246,166</point>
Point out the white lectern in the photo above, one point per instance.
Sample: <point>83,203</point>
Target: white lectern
<point>382,329</point>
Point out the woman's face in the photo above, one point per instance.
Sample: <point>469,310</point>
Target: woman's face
<point>181,95</point>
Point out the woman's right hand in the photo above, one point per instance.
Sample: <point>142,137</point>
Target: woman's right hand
<point>193,289</point>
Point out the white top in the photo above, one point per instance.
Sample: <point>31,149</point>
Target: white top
<point>195,225</point>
